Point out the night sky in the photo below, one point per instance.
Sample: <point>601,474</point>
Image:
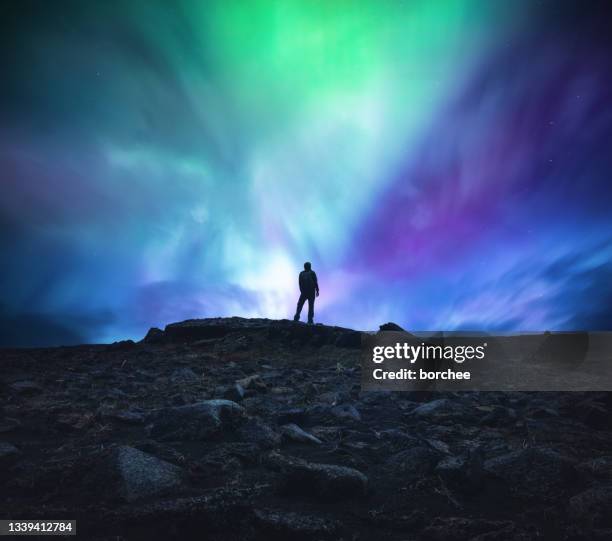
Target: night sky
<point>444,164</point>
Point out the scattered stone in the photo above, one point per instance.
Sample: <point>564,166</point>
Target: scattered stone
<point>441,406</point>
<point>324,481</point>
<point>498,416</point>
<point>140,475</point>
<point>464,473</point>
<point>415,447</point>
<point>255,431</point>
<point>197,421</point>
<point>293,432</point>
<point>534,473</point>
<point>414,463</point>
<point>249,381</point>
<point>438,445</point>
<point>346,411</point>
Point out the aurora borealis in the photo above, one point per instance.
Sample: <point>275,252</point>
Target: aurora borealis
<point>444,164</point>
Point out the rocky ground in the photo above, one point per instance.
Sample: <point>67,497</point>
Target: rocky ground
<point>257,429</point>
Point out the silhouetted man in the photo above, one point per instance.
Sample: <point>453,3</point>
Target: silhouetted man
<point>309,288</point>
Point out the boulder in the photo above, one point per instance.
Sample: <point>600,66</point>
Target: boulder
<point>463,473</point>
<point>534,473</point>
<point>130,475</point>
<point>234,393</point>
<point>198,421</point>
<point>414,463</point>
<point>255,431</point>
<point>293,432</point>
<point>441,406</point>
<point>346,411</point>
<point>322,481</point>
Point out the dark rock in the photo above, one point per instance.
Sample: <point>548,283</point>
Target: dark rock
<point>324,481</point>
<point>391,327</point>
<point>235,392</point>
<point>498,416</point>
<point>372,398</point>
<point>154,336</point>
<point>255,431</point>
<point>414,447</point>
<point>292,415</point>
<point>198,329</point>
<point>396,440</point>
<point>197,421</point>
<point>131,475</point>
<point>438,445</point>
<point>220,514</point>
<point>464,473</point>
<point>280,525</point>
<point>232,344</point>
<point>441,406</point>
<point>593,506</point>
<point>346,411</point>
<point>414,463</point>
<point>251,381</point>
<point>534,472</point>
<point>350,339</point>
<point>293,432</point>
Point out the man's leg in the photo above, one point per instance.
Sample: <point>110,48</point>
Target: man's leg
<point>300,305</point>
<point>311,300</point>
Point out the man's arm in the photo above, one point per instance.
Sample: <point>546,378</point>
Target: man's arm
<point>316,282</point>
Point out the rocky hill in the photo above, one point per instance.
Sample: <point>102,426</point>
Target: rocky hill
<point>255,429</point>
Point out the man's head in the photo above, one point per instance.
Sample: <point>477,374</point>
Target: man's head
<point>307,265</point>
